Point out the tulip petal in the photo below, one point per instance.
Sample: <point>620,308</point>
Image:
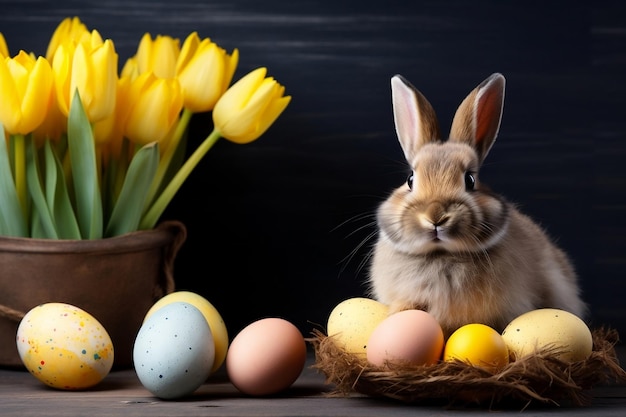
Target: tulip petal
<point>34,109</point>
<point>10,107</point>
<point>4,49</point>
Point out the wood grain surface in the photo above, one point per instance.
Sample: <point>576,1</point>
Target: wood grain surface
<point>283,226</point>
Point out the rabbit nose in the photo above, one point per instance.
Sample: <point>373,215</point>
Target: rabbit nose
<point>443,220</point>
<point>435,216</point>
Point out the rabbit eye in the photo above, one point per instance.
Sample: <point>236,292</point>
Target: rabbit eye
<point>409,181</point>
<point>470,181</point>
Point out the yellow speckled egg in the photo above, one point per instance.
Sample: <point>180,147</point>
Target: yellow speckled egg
<point>549,328</point>
<point>352,322</point>
<point>64,347</point>
<point>210,313</point>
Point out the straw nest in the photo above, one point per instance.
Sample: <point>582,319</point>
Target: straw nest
<point>540,377</point>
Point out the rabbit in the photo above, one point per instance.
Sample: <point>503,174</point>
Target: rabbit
<point>446,243</point>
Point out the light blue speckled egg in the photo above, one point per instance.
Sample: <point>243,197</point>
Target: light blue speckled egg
<point>174,351</point>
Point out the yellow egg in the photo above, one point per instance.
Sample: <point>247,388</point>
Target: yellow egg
<point>210,313</point>
<point>478,344</point>
<point>549,328</point>
<point>353,320</point>
<point>64,347</point>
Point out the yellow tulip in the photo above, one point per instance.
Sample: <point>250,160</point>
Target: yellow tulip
<point>24,80</point>
<point>4,49</point>
<point>71,29</point>
<point>249,107</point>
<point>158,56</point>
<point>205,71</point>
<point>154,107</point>
<point>109,132</point>
<point>55,122</point>
<point>91,67</point>
<point>130,69</point>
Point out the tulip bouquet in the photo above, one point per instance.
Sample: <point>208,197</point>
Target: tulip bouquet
<point>93,152</point>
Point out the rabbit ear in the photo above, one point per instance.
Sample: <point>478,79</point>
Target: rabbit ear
<point>414,117</point>
<point>477,120</point>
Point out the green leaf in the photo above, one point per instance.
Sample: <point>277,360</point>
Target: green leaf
<point>58,198</point>
<point>129,206</point>
<point>12,221</point>
<point>84,167</point>
<point>113,178</point>
<point>36,229</point>
<point>37,194</point>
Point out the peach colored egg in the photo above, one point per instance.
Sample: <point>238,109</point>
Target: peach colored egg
<point>266,357</point>
<point>409,336</point>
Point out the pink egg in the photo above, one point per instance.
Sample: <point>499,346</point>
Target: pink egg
<point>411,336</point>
<point>266,357</point>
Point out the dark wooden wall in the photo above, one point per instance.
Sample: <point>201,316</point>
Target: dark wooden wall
<point>283,226</point>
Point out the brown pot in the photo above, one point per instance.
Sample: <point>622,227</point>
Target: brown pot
<point>115,279</point>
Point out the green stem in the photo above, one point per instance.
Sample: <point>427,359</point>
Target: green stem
<point>166,159</point>
<point>151,217</point>
<point>20,172</point>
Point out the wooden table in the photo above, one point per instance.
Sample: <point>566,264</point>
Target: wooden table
<point>121,393</point>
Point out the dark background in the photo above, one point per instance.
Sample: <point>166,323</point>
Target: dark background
<point>283,226</point>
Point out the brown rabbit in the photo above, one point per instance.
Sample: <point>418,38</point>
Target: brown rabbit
<point>449,245</point>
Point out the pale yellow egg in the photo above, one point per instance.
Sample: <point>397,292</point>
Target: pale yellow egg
<point>210,313</point>
<point>546,329</point>
<point>352,322</point>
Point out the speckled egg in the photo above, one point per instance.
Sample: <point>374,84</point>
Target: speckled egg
<point>210,313</point>
<point>174,351</point>
<point>352,322</point>
<point>549,328</point>
<point>64,347</point>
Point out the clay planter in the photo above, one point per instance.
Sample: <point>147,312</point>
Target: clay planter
<point>114,279</point>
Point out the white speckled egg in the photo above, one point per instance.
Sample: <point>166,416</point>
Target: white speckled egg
<point>549,328</point>
<point>64,346</point>
<point>174,351</point>
<point>352,322</point>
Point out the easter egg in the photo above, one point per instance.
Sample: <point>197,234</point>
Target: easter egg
<point>174,351</point>
<point>352,321</point>
<point>479,345</point>
<point>266,357</point>
<point>549,328</point>
<point>64,347</point>
<point>210,313</point>
<point>411,337</point>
